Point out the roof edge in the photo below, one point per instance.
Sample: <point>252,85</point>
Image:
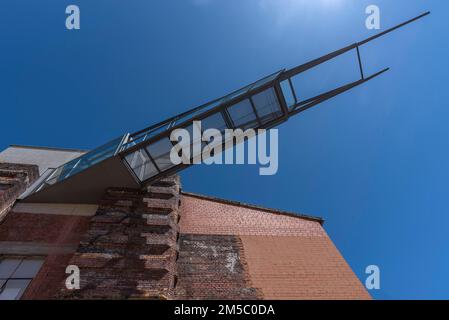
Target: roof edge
<point>256,207</point>
<point>46,148</point>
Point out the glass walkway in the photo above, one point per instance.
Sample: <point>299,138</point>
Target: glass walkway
<point>145,154</point>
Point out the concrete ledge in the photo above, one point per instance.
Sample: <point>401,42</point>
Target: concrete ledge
<point>85,210</point>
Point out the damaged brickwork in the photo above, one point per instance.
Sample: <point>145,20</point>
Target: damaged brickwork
<point>130,248</point>
<point>14,179</point>
<point>213,267</point>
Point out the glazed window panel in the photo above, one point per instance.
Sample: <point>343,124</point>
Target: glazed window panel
<point>242,115</point>
<point>160,152</point>
<point>141,165</point>
<point>15,276</point>
<point>267,105</point>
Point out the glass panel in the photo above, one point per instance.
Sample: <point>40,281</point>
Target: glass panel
<point>14,289</point>
<point>189,128</point>
<point>288,94</point>
<point>93,157</point>
<point>132,141</point>
<point>156,131</point>
<point>266,80</point>
<point>89,159</point>
<point>28,268</point>
<point>8,266</point>
<point>144,136</point>
<point>247,88</point>
<point>160,152</point>
<point>141,165</point>
<point>54,176</point>
<point>235,94</point>
<point>195,141</point>
<point>242,114</point>
<point>215,121</point>
<point>36,184</point>
<point>197,113</point>
<point>206,107</point>
<point>267,105</point>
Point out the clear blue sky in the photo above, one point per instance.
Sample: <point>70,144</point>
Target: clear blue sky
<point>373,162</point>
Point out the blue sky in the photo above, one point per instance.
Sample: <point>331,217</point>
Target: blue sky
<point>372,162</point>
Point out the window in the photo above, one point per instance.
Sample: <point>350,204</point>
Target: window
<point>266,80</point>
<point>242,115</point>
<point>288,93</point>
<point>85,161</point>
<point>141,164</point>
<point>267,105</point>
<point>15,276</point>
<point>195,143</point>
<point>160,152</point>
<point>214,121</point>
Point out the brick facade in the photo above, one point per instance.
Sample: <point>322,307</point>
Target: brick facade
<point>130,248</point>
<point>42,228</point>
<point>201,215</point>
<point>159,243</point>
<point>213,267</point>
<point>286,267</point>
<point>285,256</point>
<point>54,237</point>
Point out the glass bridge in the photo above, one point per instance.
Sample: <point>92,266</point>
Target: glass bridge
<point>145,155</point>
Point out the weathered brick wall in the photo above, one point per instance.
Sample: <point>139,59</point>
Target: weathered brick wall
<point>134,247</point>
<point>14,179</point>
<point>42,228</point>
<point>57,236</point>
<point>213,267</point>
<point>47,283</point>
<point>130,248</point>
<point>203,216</point>
<point>286,256</point>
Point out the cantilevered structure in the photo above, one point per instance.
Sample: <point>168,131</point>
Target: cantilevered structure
<point>141,158</point>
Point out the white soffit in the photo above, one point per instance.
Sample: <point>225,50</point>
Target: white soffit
<point>43,157</point>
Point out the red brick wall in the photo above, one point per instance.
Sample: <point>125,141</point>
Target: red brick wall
<point>287,257</point>
<point>49,279</point>
<point>202,216</point>
<point>23,228</point>
<point>300,268</point>
<point>43,228</point>
<point>46,229</point>
<point>129,250</point>
<point>226,251</point>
